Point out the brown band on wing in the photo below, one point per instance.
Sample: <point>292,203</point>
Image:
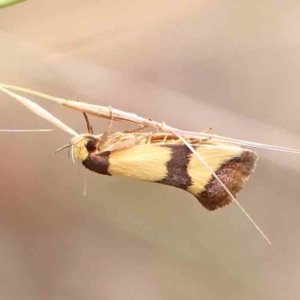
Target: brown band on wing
<point>98,162</point>
<point>233,174</point>
<point>177,173</point>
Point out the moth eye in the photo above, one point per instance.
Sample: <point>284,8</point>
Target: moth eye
<point>91,145</point>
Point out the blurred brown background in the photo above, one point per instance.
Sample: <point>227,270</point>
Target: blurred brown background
<point>233,65</point>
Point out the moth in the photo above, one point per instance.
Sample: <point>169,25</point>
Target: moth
<point>210,167</point>
<point>164,158</point>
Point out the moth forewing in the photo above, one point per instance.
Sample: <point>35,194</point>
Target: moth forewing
<point>166,160</point>
<point>233,165</point>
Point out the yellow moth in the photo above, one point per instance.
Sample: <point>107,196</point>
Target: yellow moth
<point>210,167</point>
<point>164,158</point>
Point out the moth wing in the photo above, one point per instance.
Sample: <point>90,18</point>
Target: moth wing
<point>232,164</point>
<point>177,166</point>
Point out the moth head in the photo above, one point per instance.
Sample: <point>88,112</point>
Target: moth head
<point>83,145</point>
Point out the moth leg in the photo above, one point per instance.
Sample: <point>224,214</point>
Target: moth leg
<point>137,129</point>
<point>88,124</point>
<point>148,141</point>
<point>126,143</point>
<point>111,118</point>
<point>106,134</point>
<point>165,138</point>
<point>207,130</point>
<point>163,124</point>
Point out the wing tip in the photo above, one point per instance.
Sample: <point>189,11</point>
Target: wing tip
<point>233,173</point>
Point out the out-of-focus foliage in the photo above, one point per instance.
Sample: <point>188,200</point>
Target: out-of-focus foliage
<point>5,3</point>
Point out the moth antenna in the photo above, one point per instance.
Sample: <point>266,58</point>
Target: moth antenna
<point>223,185</point>
<point>24,130</point>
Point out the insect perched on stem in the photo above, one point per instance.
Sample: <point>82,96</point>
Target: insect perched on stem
<point>164,158</point>
<point>210,167</point>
